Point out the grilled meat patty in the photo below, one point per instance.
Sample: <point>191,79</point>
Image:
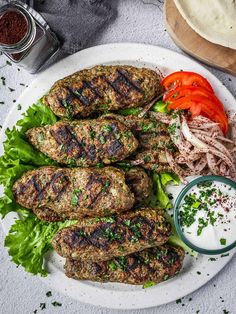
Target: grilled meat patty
<point>61,193</point>
<point>139,182</point>
<point>155,264</point>
<point>151,133</point>
<point>103,88</point>
<point>102,238</point>
<point>84,143</point>
<point>152,160</point>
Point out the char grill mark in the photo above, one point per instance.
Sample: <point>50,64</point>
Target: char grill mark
<point>64,136</point>
<point>78,94</point>
<point>114,147</point>
<point>122,85</point>
<point>103,235</point>
<point>95,186</point>
<point>131,83</point>
<point>59,178</point>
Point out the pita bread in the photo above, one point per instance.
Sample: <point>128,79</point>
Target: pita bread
<point>214,20</point>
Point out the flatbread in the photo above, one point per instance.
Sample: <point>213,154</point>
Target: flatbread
<point>214,20</point>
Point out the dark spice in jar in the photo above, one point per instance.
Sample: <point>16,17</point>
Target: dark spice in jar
<point>13,27</point>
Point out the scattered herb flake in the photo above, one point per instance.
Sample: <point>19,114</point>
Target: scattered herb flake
<point>224,255</point>
<point>223,241</point>
<point>49,294</point>
<point>55,303</point>
<point>42,306</point>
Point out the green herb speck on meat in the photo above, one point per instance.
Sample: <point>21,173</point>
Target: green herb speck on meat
<point>102,139</point>
<point>107,128</point>
<point>106,185</point>
<point>112,265</point>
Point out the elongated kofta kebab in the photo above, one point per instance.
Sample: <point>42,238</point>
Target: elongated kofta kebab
<point>97,239</point>
<point>103,88</point>
<point>154,265</point>
<point>56,194</point>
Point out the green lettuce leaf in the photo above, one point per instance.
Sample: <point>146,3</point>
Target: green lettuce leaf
<point>29,239</point>
<point>163,200</point>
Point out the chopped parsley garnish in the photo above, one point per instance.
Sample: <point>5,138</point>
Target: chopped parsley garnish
<point>122,262</point>
<point>42,306</point>
<point>92,134</point>
<point>107,128</point>
<point>102,139</point>
<point>149,284</point>
<point>212,259</point>
<point>49,294</point>
<point>147,158</point>
<point>127,222</point>
<point>147,127</point>
<point>223,241</point>
<point>55,303</point>
<point>201,225</point>
<point>74,198</point>
<point>106,185</point>
<point>128,134</point>
<point>112,265</point>
<point>111,235</point>
<point>100,165</point>
<point>172,128</point>
<point>69,109</point>
<point>106,219</point>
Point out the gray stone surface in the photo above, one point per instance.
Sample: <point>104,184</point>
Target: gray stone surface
<point>21,293</point>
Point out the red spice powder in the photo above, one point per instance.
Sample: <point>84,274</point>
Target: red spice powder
<point>13,27</point>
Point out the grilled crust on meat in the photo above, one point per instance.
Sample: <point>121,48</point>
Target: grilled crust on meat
<point>59,193</point>
<point>139,182</point>
<point>100,239</point>
<point>84,143</point>
<point>155,264</point>
<point>151,133</point>
<point>103,88</point>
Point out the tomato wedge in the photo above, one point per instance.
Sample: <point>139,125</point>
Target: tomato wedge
<point>197,105</point>
<point>180,92</point>
<point>183,78</point>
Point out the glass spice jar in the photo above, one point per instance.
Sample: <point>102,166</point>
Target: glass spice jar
<point>25,38</point>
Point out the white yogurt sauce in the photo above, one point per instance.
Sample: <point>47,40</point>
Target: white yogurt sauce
<point>209,215</point>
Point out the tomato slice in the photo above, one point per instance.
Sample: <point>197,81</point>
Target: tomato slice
<point>180,92</point>
<point>206,107</point>
<point>183,78</point>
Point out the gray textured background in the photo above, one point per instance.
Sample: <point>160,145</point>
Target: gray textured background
<point>20,293</point>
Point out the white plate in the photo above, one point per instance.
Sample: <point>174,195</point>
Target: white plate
<point>120,296</point>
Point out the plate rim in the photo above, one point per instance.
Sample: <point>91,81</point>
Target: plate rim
<point>113,304</point>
